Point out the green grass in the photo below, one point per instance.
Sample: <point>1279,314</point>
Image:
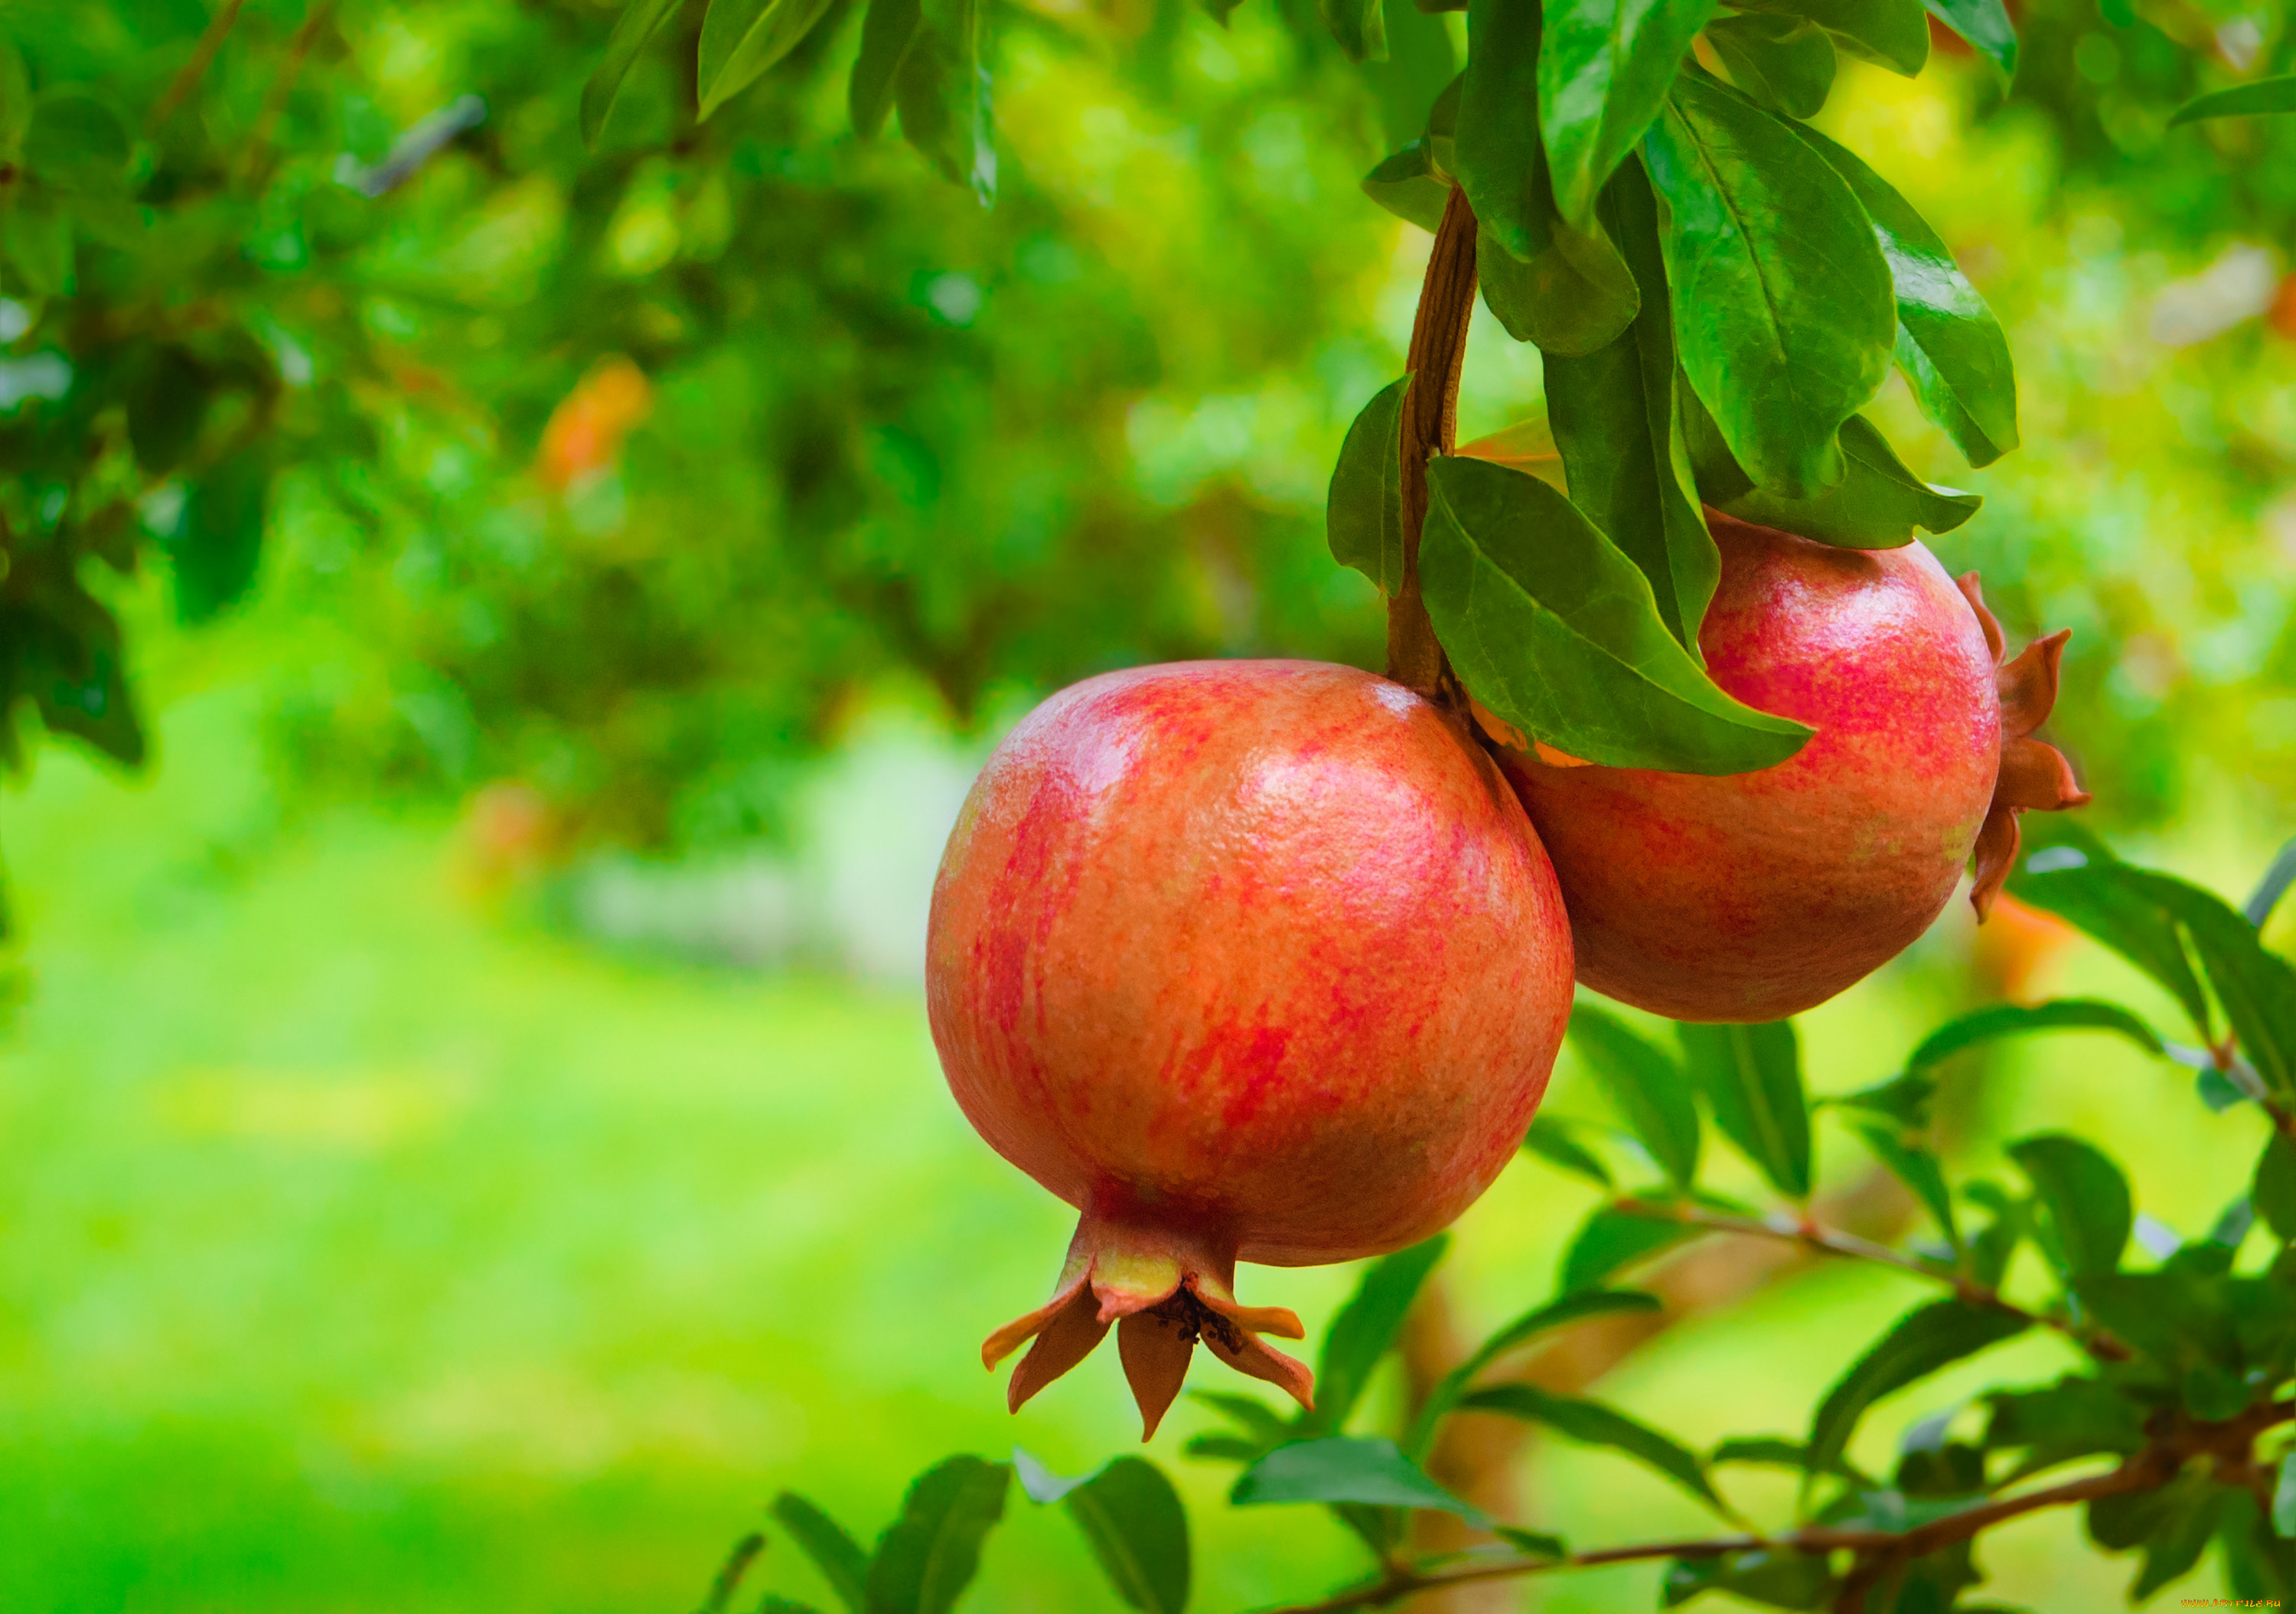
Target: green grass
<point>363,1248</point>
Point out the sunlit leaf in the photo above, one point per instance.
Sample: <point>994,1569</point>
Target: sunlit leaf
<point>1787,63</point>
<point>1605,69</point>
<point>1751,1076</point>
<point>1894,34</point>
<point>1985,24</point>
<point>1879,504</point>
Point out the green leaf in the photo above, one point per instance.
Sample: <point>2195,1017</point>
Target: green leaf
<point>1575,1308</point>
<point>1365,1328</point>
<point>732,1573</point>
<point>2256,987</point>
<point>1649,1091</point>
<point>1985,24</point>
<point>1782,298</point>
<point>639,21</point>
<point>2179,1532</point>
<point>2086,1199</point>
<point>1371,1470</point>
<point>1949,345</point>
<point>2274,1194</point>
<point>1904,1099</point>
<point>1421,61</point>
<point>38,236</point>
<point>1496,151</point>
<point>1133,1521</point>
<point>927,1557</point>
<point>1783,62</point>
<point>1751,1075</point>
<point>1919,1170</point>
<point>1922,1343</point>
<point>2074,1418</point>
<point>1573,296</point>
<point>1360,27</point>
<point>1605,69</point>
<point>1592,1424</point>
<point>220,543</point>
<point>1775,1577</point>
<point>1611,1240</point>
<point>1773,1451</point>
<point>1877,505</point>
<point>840,1558</point>
<point>1255,1417</point>
<point>942,91</point>
<point>1363,517</point>
<point>1894,34</point>
<point>1406,186</point>
<point>2079,882</point>
<point>743,39</point>
<point>1614,420</point>
<point>15,100</point>
<point>1997,1020</point>
<point>166,395</point>
<point>2271,888</point>
<point>2265,96</point>
<point>1557,631</point>
<point>76,143</point>
<point>889,32</point>
<point>1549,1138</point>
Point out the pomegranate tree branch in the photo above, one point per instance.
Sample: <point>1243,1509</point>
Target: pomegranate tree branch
<point>1831,1241</point>
<point>186,81</point>
<point>1430,419</point>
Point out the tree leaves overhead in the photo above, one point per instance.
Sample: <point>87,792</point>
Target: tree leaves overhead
<point>1363,515</point>
<point>1648,1088</point>
<point>1751,1076</point>
<point>1557,631</point>
<point>633,30</point>
<point>1950,347</point>
<point>1615,421</point>
<point>743,39</point>
<point>1783,305</point>
<point>1920,1343</point>
<point>1605,69</point>
<point>927,1556</point>
<point>1985,24</point>
<point>2265,96</point>
<point>1786,64</point>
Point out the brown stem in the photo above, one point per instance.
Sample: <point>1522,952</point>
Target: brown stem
<point>1830,1241</point>
<point>203,53</point>
<point>1431,420</point>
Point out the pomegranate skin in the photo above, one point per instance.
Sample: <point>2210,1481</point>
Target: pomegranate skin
<point>1752,896</point>
<point>1254,959</point>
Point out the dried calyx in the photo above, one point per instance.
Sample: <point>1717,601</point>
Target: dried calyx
<point>2035,777</point>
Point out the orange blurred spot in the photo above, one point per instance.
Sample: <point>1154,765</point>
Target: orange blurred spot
<point>2014,943</point>
<point>2282,315</point>
<point>509,831</point>
<point>586,430</point>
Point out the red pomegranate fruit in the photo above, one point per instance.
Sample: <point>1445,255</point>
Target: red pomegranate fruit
<point>1244,960</point>
<point>1754,896</point>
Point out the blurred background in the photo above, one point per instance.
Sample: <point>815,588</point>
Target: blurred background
<point>493,635</point>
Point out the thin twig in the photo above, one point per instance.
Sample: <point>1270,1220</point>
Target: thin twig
<point>1831,1241</point>
<point>186,81</point>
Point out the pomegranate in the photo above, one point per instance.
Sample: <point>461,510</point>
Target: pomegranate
<point>1754,896</point>
<point>1252,960</point>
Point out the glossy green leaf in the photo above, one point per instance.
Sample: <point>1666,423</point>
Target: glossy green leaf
<point>1894,34</point>
<point>942,91</point>
<point>1406,186</point>
<point>637,24</point>
<point>2085,1200</point>
<point>220,543</point>
<point>1783,304</point>
<point>1985,24</point>
<point>927,1556</point>
<point>1364,1330</point>
<point>1651,1092</point>
<point>1950,347</point>
<point>1605,69</point>
<point>1751,1076</point>
<point>1922,1343</point>
<point>889,32</point>
<point>1363,516</point>
<point>1496,152</point>
<point>743,39</point>
<point>1574,1308</point>
<point>2265,96</point>
<point>1550,1139</point>
<point>1556,630</point>
<point>1786,64</point>
<point>1592,1424</point>
<point>1877,505</point>
<point>1614,420</point>
<point>2073,876</point>
<point>1360,27</point>
<point>1132,1519</point>
<point>1421,61</point>
<point>840,1559</point>
<point>1574,295</point>
<point>1919,1170</point>
<point>1997,1020</point>
<point>2274,1194</point>
<point>1369,1471</point>
<point>1610,1241</point>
